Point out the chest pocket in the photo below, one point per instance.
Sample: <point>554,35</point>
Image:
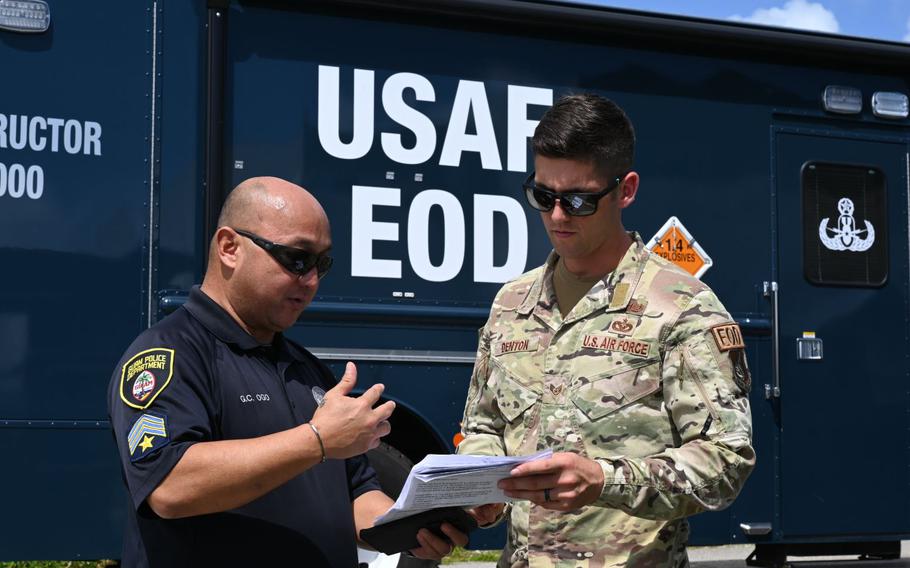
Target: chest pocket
<point>512,397</point>
<point>608,393</point>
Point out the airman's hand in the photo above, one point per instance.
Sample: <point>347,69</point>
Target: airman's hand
<point>564,482</point>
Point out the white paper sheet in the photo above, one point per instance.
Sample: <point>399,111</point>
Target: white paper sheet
<point>443,480</point>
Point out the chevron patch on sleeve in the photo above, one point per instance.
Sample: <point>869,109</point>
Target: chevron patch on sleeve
<point>149,433</point>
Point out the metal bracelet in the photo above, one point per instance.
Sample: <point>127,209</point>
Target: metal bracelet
<point>318,439</point>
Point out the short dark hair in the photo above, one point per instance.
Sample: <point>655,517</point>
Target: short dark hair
<point>587,127</point>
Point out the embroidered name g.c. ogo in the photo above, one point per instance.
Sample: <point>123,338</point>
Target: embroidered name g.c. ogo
<point>145,375</point>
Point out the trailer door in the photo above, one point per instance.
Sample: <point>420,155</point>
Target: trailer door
<point>841,205</point>
<point>78,237</point>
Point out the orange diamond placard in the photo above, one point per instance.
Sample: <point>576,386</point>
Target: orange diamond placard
<point>676,244</point>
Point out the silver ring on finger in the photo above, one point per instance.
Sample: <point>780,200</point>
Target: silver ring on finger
<point>546,494</point>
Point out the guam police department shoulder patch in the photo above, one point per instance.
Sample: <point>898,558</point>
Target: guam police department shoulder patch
<point>145,375</point>
<point>149,433</point>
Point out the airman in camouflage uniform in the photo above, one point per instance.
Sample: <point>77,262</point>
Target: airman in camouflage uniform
<point>645,376</point>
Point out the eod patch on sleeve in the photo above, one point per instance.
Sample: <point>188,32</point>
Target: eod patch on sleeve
<point>145,375</point>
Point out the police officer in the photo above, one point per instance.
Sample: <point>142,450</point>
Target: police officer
<point>237,445</point>
<point>627,367</point>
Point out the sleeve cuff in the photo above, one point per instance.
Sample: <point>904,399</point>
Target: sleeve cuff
<point>481,445</point>
<point>164,463</point>
<point>609,475</point>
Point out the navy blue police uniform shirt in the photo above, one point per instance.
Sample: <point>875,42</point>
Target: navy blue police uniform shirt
<point>197,376</point>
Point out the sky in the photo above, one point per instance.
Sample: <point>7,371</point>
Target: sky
<point>879,19</point>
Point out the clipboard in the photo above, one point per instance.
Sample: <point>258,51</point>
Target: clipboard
<point>401,535</point>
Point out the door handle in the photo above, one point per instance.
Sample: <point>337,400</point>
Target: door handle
<point>773,390</point>
<point>170,300</point>
<point>755,529</point>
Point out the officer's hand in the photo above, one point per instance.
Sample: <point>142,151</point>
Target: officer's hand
<point>433,547</point>
<point>486,514</point>
<point>350,426</point>
<point>564,482</point>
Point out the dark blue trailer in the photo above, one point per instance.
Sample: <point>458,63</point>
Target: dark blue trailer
<point>774,165</point>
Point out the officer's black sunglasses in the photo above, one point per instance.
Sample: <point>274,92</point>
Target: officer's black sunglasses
<point>293,259</point>
<point>576,203</point>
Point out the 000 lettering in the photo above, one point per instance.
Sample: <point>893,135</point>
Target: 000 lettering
<point>16,181</point>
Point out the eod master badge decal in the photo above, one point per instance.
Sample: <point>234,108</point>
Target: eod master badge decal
<point>145,375</point>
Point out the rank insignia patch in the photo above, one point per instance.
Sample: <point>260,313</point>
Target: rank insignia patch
<point>148,434</point>
<point>145,375</point>
<point>637,308</point>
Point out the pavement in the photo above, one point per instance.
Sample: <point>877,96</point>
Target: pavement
<point>734,556</point>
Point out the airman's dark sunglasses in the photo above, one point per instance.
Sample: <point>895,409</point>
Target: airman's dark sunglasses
<point>293,259</point>
<point>576,203</point>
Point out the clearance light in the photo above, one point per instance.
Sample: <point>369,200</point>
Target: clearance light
<point>30,16</point>
<point>843,100</point>
<point>890,105</point>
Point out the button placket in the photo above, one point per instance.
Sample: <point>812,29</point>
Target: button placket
<point>557,427</point>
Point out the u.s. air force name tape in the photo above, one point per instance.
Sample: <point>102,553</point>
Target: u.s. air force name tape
<point>603,342</point>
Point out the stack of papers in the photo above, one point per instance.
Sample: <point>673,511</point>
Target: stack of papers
<point>443,480</point>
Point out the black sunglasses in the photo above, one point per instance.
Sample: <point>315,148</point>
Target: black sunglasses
<point>293,259</point>
<point>576,203</point>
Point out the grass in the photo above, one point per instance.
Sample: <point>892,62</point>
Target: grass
<point>57,564</point>
<point>458,555</point>
<point>462,555</point>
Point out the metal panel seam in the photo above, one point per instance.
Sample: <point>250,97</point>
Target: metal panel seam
<point>775,132</point>
<point>152,179</point>
<point>907,311</point>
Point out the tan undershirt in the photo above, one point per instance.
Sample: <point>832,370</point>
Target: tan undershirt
<point>569,288</point>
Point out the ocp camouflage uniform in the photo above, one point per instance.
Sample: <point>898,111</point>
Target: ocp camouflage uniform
<point>646,375</point>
